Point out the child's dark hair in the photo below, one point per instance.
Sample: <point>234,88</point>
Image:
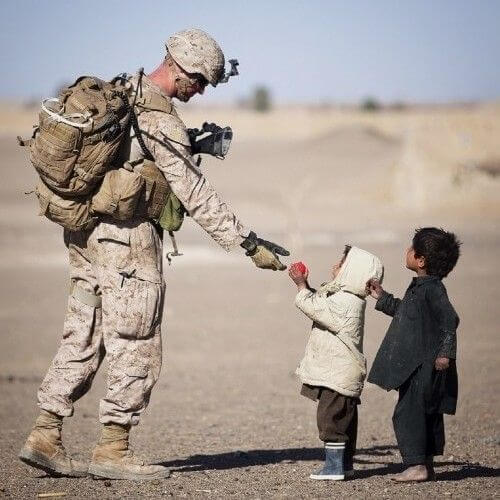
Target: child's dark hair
<point>440,249</point>
<point>347,249</point>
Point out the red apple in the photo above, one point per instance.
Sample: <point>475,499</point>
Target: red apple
<point>300,266</point>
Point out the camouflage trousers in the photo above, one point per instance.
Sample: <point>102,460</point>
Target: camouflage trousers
<point>120,266</point>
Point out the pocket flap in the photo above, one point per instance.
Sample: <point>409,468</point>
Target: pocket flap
<point>44,195</point>
<point>113,232</point>
<point>151,275</point>
<point>137,371</point>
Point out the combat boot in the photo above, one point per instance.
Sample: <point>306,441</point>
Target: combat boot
<point>44,449</point>
<point>113,458</point>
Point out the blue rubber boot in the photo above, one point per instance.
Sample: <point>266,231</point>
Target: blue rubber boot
<point>333,469</point>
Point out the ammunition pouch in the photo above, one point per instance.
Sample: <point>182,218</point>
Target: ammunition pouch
<point>172,214</point>
<point>156,189</point>
<point>119,194</point>
<point>142,192</point>
<point>160,202</point>
<point>72,213</point>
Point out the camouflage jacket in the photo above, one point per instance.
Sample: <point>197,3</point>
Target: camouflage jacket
<point>165,135</point>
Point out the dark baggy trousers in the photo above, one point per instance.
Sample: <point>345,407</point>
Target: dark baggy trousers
<point>337,418</point>
<point>419,434</point>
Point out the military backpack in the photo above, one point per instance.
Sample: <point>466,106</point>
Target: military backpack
<point>74,149</point>
<point>73,146</point>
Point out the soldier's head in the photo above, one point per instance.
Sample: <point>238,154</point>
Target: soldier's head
<point>193,60</point>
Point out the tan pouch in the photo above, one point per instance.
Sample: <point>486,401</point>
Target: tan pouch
<point>157,188</point>
<point>73,214</point>
<point>118,194</point>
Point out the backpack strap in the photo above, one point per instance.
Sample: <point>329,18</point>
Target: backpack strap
<point>153,102</point>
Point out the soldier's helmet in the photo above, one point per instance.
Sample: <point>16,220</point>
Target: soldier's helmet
<point>197,52</point>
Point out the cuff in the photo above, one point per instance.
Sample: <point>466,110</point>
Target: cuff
<point>301,296</point>
<point>380,304</point>
<point>449,346</point>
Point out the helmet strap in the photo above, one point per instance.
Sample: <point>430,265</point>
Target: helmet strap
<point>183,82</point>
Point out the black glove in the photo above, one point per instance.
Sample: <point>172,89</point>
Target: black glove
<point>264,253</point>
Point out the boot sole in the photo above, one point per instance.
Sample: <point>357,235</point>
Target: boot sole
<point>40,461</point>
<point>105,472</point>
<point>327,477</point>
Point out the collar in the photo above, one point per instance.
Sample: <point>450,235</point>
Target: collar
<point>147,85</point>
<point>151,85</point>
<point>422,280</point>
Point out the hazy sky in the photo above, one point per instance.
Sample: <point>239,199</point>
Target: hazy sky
<point>314,50</point>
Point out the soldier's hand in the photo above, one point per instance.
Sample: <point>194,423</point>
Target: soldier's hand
<point>263,253</point>
<point>265,259</point>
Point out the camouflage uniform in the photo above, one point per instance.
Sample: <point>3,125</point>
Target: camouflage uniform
<point>121,262</point>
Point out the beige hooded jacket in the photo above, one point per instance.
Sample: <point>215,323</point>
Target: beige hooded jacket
<point>334,354</point>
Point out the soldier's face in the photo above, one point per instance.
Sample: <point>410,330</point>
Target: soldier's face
<point>190,85</point>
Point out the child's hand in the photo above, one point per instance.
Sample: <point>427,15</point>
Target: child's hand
<point>441,364</point>
<point>374,288</point>
<point>299,278</point>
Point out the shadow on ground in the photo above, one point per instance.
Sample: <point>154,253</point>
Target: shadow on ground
<point>242,459</point>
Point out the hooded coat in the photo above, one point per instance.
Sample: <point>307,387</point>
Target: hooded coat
<point>334,353</point>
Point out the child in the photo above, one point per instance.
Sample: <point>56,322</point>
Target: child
<point>417,355</point>
<point>334,368</point>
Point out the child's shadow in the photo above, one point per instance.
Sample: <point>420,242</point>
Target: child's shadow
<point>238,459</point>
<point>243,459</point>
<point>466,470</point>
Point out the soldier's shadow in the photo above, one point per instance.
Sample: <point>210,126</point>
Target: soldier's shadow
<point>244,459</point>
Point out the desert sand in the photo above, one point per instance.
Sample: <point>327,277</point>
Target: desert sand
<point>226,414</point>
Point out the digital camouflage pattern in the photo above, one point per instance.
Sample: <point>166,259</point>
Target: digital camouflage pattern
<point>121,262</point>
<point>166,137</point>
<point>197,52</point>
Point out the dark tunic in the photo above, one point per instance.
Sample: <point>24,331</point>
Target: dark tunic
<point>423,328</point>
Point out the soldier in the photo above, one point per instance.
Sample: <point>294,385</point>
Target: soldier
<point>117,287</point>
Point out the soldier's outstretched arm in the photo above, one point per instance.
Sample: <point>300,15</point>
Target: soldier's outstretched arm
<point>169,143</point>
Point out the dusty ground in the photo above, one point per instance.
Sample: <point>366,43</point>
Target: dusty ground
<point>226,415</point>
